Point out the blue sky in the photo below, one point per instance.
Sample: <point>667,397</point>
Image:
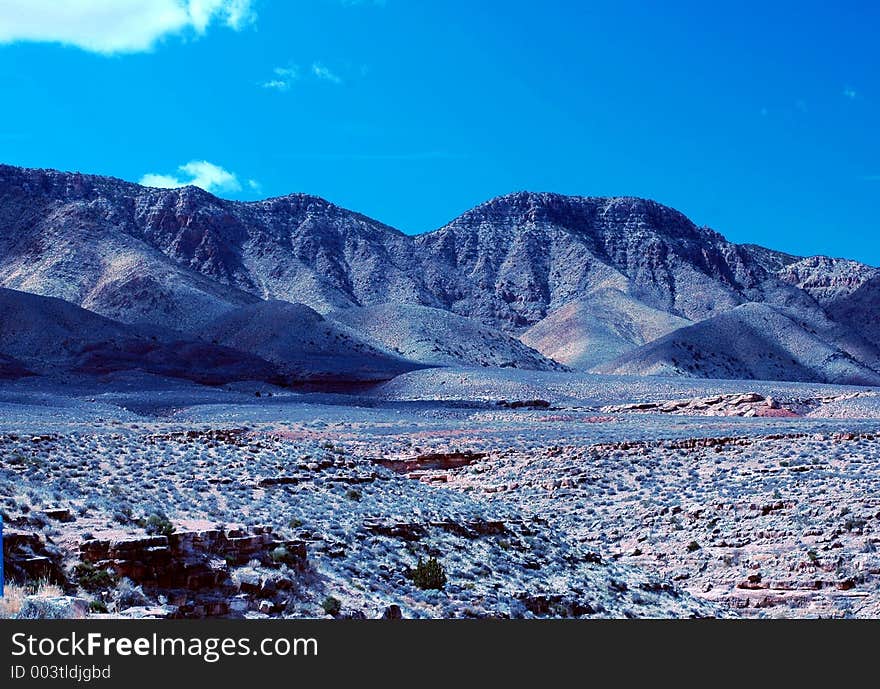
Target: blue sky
<point>757,119</point>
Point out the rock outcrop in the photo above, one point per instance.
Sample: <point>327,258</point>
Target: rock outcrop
<point>27,556</point>
<point>198,571</point>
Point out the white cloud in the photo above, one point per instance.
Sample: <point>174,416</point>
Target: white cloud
<point>198,173</point>
<point>287,72</point>
<point>284,77</point>
<point>151,179</point>
<point>849,93</point>
<point>324,73</point>
<point>254,185</point>
<point>115,26</point>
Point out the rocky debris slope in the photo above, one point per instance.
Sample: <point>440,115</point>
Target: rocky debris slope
<point>747,404</point>
<point>439,338</point>
<point>585,333</point>
<point>827,280</point>
<point>756,341</point>
<point>369,534</point>
<point>52,336</point>
<point>783,526</point>
<point>307,346</point>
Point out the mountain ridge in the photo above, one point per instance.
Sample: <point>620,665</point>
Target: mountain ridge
<point>183,258</point>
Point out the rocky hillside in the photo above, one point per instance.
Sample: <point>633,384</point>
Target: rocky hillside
<point>828,280</point>
<point>752,341</point>
<point>70,235</point>
<point>582,280</point>
<point>304,344</point>
<point>439,338</point>
<point>50,336</point>
<point>517,258</point>
<point>587,332</point>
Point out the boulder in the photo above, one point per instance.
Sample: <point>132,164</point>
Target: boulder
<point>53,608</point>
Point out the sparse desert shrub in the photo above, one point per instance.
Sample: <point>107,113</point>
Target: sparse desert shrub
<point>157,524</point>
<point>93,578</point>
<point>854,524</point>
<point>123,515</point>
<point>98,607</point>
<point>353,494</point>
<point>429,574</point>
<point>129,595</point>
<point>693,547</point>
<point>282,556</point>
<point>295,523</point>
<point>332,606</point>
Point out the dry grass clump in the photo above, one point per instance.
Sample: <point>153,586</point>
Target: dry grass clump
<point>14,595</point>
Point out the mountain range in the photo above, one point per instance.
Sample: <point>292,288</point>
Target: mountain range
<point>295,288</point>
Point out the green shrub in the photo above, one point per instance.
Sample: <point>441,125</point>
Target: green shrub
<point>93,578</point>
<point>429,574</point>
<point>332,606</point>
<point>97,606</point>
<point>157,524</point>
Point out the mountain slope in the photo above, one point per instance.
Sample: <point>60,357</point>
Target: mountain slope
<point>517,258</point>
<point>48,335</point>
<point>752,341</point>
<point>508,262</point>
<point>439,338</point>
<point>304,344</point>
<point>587,332</point>
<point>10,368</point>
<point>132,252</point>
<point>583,279</point>
<point>74,237</point>
<point>827,280</point>
<point>860,310</point>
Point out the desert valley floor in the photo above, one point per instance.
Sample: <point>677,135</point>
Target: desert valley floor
<point>539,493</point>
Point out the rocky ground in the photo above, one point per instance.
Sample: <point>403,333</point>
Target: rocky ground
<point>135,522</point>
<point>732,503</point>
